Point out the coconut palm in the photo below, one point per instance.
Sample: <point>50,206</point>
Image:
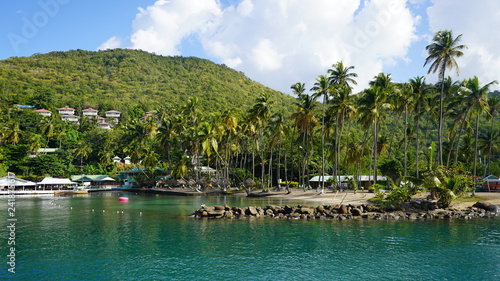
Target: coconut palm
<point>342,75</point>
<point>11,132</point>
<point>488,144</point>
<point>83,151</point>
<point>477,97</point>
<point>442,54</point>
<point>404,102</point>
<point>322,88</point>
<point>494,107</point>
<point>372,107</point>
<point>305,121</point>
<point>298,89</point>
<point>341,78</point>
<point>341,109</point>
<point>260,113</point>
<point>420,90</point>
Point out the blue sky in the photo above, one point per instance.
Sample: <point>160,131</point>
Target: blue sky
<point>274,42</point>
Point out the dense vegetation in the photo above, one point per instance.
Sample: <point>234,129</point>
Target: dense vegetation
<point>125,80</point>
<point>438,136</point>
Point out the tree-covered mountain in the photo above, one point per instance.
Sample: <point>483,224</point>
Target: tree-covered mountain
<point>121,79</point>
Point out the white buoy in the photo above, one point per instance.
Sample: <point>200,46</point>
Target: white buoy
<point>140,213</point>
<point>103,211</point>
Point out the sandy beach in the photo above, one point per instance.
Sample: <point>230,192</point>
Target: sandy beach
<point>334,198</point>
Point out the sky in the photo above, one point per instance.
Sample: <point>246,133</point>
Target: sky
<point>274,42</point>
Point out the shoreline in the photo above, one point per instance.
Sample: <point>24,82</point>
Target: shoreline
<point>349,198</point>
<point>350,205</point>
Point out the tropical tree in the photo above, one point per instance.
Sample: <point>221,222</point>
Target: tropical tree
<point>477,97</point>
<point>442,53</point>
<point>11,132</point>
<point>341,77</point>
<point>260,113</point>
<point>494,107</point>
<point>298,89</point>
<point>372,107</point>
<point>305,121</point>
<point>83,151</point>
<point>322,89</point>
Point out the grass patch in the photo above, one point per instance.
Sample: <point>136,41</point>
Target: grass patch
<point>467,198</point>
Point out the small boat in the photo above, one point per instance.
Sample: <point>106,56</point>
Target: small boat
<point>123,199</point>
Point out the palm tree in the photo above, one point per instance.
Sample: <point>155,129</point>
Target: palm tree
<point>342,104</point>
<point>420,90</point>
<point>404,103</point>
<point>322,89</point>
<point>11,132</point>
<point>489,144</point>
<point>478,100</point>
<point>494,105</point>
<point>342,108</point>
<point>298,89</point>
<point>35,143</point>
<point>83,151</point>
<point>230,125</point>
<point>341,75</point>
<point>305,122</point>
<point>372,107</point>
<point>442,54</point>
<point>48,128</point>
<point>260,113</point>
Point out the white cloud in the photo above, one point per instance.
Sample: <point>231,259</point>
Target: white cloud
<point>112,43</point>
<point>162,27</point>
<point>280,42</point>
<point>478,21</point>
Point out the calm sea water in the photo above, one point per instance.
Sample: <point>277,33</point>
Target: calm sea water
<point>151,238</point>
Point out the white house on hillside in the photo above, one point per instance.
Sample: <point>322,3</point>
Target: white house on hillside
<point>43,112</point>
<point>71,118</point>
<point>90,112</point>
<point>66,110</point>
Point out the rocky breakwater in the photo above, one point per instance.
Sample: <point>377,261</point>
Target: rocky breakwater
<point>421,210</point>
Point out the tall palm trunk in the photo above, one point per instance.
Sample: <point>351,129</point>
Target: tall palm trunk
<point>440,133</point>
<point>475,145</point>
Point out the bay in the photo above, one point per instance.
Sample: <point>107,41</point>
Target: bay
<point>152,237</point>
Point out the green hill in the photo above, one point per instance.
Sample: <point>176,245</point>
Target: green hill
<point>123,79</point>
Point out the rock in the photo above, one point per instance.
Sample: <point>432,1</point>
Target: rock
<point>390,208</point>
<point>343,209</point>
<point>252,211</point>
<point>356,212</point>
<point>485,205</point>
<point>215,213</point>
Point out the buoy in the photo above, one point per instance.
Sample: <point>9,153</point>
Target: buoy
<point>123,199</point>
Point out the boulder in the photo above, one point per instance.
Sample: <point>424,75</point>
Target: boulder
<point>356,212</point>
<point>485,205</point>
<point>343,209</point>
<point>252,211</point>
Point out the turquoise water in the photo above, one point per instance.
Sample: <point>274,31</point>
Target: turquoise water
<point>71,238</point>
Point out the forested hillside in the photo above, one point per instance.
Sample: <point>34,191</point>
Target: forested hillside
<point>123,79</point>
